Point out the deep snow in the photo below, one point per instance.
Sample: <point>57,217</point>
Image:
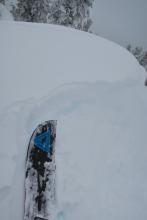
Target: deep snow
<point>41,57</point>
<point>94,89</point>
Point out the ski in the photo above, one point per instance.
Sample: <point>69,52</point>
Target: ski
<point>40,192</point>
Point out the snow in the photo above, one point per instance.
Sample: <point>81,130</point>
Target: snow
<point>4,13</point>
<point>47,56</point>
<point>94,88</point>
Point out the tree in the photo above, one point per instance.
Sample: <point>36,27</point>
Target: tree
<point>140,55</point>
<point>71,13</point>
<point>32,10</point>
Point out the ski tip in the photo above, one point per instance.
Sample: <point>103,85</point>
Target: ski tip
<point>53,122</point>
<point>39,218</point>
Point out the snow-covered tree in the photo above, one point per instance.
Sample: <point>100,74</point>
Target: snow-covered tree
<point>74,13</point>
<point>32,10</point>
<point>140,55</point>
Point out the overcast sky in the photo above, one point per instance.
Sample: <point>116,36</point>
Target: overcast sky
<point>122,21</point>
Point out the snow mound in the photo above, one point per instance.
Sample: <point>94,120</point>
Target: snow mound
<point>41,57</point>
<point>5,14</point>
<point>94,89</point>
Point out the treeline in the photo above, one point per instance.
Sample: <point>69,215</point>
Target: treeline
<point>72,13</point>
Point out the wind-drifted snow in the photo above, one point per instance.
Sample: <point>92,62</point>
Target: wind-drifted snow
<point>101,133</point>
<point>38,58</point>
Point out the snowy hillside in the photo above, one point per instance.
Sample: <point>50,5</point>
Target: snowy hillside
<point>42,57</point>
<point>94,88</point>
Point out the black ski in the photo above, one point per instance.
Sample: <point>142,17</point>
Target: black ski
<point>40,192</point>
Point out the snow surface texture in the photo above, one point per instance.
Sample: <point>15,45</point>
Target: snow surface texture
<point>101,133</point>
<point>41,57</point>
<point>4,13</point>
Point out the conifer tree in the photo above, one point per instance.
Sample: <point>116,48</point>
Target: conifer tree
<point>32,10</point>
<point>140,55</point>
<point>74,13</point>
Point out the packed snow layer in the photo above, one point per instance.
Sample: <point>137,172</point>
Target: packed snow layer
<point>38,57</point>
<point>101,133</point>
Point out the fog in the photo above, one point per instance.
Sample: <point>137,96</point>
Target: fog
<point>122,21</point>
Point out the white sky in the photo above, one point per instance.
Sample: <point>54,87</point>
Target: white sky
<point>122,21</point>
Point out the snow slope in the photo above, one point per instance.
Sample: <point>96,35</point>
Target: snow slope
<point>47,56</point>
<point>94,89</point>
